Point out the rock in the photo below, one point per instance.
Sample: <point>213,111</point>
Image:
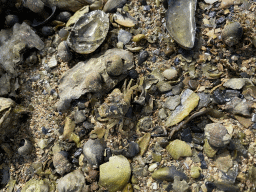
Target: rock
<point>52,62</point>
<point>232,33</point>
<point>64,16</point>
<point>132,151</point>
<point>172,102</point>
<point>226,4</point>
<point>239,106</point>
<point>204,100</point>
<point>61,163</point>
<point>170,73</point>
<point>138,37</point>
<point>112,5</point>
<point>64,53</point>
<point>224,161</point>
<point>217,134</point>
<point>180,22</point>
<point>93,151</point>
<point>189,100</point>
<point>193,84</point>
<point>162,113</point>
<point>114,65</point>
<point>115,174</point>
<point>47,31</point>
<point>168,174</point>
<point>91,77</point>
<point>37,186</point>
<point>179,186</point>
<point>235,83</point>
<point>124,36</point>
<point>195,172</point>
<point>178,148</point>
<point>73,181</point>
<point>163,86</point>
<point>79,117</point>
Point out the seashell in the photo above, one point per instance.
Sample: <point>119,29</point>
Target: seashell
<point>138,37</point>
<point>217,135</point>
<point>143,57</point>
<point>63,52</point>
<point>112,5</point>
<point>114,65</point>
<point>89,32</point>
<point>180,21</point>
<point>232,33</point>
<point>124,19</point>
<point>61,163</point>
<point>26,148</point>
<point>178,148</point>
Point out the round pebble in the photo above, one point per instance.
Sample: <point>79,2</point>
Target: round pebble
<point>170,73</point>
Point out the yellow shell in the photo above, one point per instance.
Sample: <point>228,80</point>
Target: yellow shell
<point>138,37</point>
<point>178,148</point>
<point>195,172</point>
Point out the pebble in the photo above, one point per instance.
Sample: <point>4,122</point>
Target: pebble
<point>10,20</point>
<point>73,181</point>
<point>224,161</point>
<point>152,167</point>
<point>178,148</point>
<point>52,62</point>
<point>195,172</point>
<point>143,57</point>
<point>61,163</point>
<point>163,86</point>
<point>168,174</point>
<point>124,36</point>
<point>47,30</point>
<point>64,16</point>
<point>193,84</point>
<point>112,5</point>
<point>115,174</point>
<point>132,151</point>
<point>26,148</point>
<point>204,100</point>
<point>162,114</point>
<point>33,185</point>
<point>63,52</point>
<point>170,73</point>
<point>178,185</point>
<point>79,117</point>
<point>93,151</point>
<point>218,97</point>
<point>217,134</point>
<point>209,150</point>
<point>186,136</point>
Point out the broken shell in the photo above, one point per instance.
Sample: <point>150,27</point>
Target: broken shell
<point>61,163</point>
<point>124,19</point>
<point>180,21</point>
<point>217,134</point>
<point>89,32</point>
<point>114,65</point>
<point>178,148</point>
<point>112,5</point>
<point>138,37</point>
<point>63,52</point>
<point>26,148</point>
<point>232,33</point>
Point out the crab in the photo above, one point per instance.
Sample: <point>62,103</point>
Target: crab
<point>116,105</point>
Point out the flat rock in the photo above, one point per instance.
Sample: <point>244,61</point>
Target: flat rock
<point>235,83</point>
<point>115,174</point>
<point>189,100</point>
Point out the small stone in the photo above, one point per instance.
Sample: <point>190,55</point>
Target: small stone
<point>52,62</point>
<point>143,57</point>
<point>204,100</point>
<point>93,151</point>
<point>195,172</point>
<point>124,36</point>
<point>170,73</point>
<point>168,174</point>
<point>64,53</point>
<point>172,102</point>
<point>115,174</point>
<point>114,65</point>
<point>64,16</point>
<point>235,83</point>
<point>178,148</point>
<point>180,186</point>
<point>162,114</point>
<point>61,163</point>
<point>124,19</point>
<point>193,84</point>
<point>79,117</point>
<point>163,86</point>
<point>47,30</point>
<point>120,45</point>
<point>152,167</point>
<point>224,161</point>
<point>217,134</point>
<point>73,181</point>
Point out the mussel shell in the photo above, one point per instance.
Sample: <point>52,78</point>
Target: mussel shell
<point>180,21</point>
<point>89,32</point>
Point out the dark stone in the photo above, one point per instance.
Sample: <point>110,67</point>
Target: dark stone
<point>220,20</point>
<point>47,31</point>
<point>132,151</point>
<point>133,74</point>
<point>210,186</point>
<point>142,57</point>
<point>64,16</point>
<point>186,135</point>
<point>218,97</point>
<point>231,93</point>
<point>204,165</point>
<point>212,14</point>
<point>192,84</point>
<point>79,117</point>
<point>44,130</point>
<point>198,138</point>
<point>153,59</point>
<point>78,152</point>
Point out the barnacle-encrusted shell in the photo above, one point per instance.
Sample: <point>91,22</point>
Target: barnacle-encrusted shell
<point>180,21</point>
<point>232,33</point>
<point>89,32</point>
<point>217,134</point>
<point>178,148</point>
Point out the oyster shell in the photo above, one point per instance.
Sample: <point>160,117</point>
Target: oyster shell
<point>180,21</point>
<point>89,32</point>
<point>92,76</point>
